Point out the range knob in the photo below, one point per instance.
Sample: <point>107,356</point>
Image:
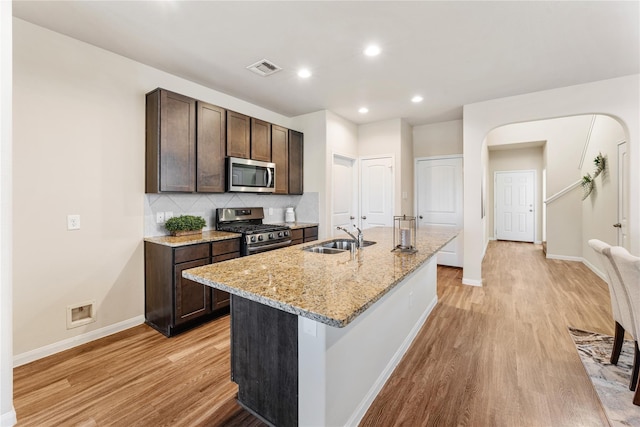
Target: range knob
<point>253,238</point>
<point>271,235</point>
<point>260,237</point>
<point>280,234</point>
<point>286,234</point>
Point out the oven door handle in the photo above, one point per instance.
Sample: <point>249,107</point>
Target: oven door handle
<point>269,247</point>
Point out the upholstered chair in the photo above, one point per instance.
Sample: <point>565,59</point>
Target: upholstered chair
<point>620,304</point>
<point>629,268</point>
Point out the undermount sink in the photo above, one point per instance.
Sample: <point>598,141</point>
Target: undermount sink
<point>335,246</point>
<point>323,250</point>
<point>344,244</point>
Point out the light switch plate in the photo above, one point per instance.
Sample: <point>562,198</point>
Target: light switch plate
<point>73,222</point>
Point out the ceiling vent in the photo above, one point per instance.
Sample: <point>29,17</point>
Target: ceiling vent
<point>264,68</point>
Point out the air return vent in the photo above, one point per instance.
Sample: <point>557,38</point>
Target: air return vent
<point>264,68</point>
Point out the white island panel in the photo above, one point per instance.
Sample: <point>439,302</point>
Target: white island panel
<point>341,370</point>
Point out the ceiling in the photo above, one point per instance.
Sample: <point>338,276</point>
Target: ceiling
<point>452,53</point>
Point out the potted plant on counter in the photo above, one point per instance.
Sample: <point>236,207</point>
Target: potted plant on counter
<point>184,225</point>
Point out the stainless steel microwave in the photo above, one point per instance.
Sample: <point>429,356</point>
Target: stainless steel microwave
<point>250,176</point>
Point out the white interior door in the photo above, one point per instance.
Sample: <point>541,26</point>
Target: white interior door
<point>514,206</point>
<point>439,201</point>
<point>623,195</point>
<point>376,192</point>
<point>343,190</point>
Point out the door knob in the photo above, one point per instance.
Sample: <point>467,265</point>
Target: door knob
<point>618,225</point>
<point>364,217</point>
<point>420,217</point>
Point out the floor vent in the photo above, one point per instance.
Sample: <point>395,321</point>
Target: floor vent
<point>81,314</point>
<point>264,68</point>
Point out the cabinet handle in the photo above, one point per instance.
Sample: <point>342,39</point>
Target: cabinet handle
<point>420,217</point>
<point>352,217</point>
<point>618,225</point>
<point>364,217</point>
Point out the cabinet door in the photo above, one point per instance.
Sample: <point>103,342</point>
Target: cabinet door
<point>192,299</point>
<point>260,140</point>
<point>296,140</point>
<point>280,156</point>
<point>310,234</point>
<point>238,135</point>
<point>297,236</point>
<point>222,299</point>
<point>170,142</point>
<point>212,131</point>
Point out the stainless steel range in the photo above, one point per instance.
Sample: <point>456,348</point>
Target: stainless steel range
<point>256,236</point>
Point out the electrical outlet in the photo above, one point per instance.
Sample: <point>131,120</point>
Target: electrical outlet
<point>270,211</point>
<point>73,222</point>
<point>168,215</point>
<point>410,299</point>
<point>160,218</point>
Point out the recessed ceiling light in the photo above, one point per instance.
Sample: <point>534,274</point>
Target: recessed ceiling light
<point>372,50</point>
<point>304,73</point>
<point>363,110</point>
<point>417,99</point>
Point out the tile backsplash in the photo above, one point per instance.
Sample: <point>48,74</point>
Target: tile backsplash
<point>204,205</point>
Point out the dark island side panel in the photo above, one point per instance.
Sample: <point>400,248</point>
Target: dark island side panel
<point>264,360</point>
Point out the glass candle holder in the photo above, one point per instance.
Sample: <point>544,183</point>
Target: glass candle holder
<point>404,233</point>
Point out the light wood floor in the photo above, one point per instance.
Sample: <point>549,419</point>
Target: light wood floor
<point>498,355</point>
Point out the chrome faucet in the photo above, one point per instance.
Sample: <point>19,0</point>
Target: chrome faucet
<point>355,239</point>
<point>360,237</point>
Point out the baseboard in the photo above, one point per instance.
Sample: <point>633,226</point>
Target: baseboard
<point>537,242</point>
<point>361,410</point>
<point>565,257</point>
<point>48,350</point>
<point>596,270</point>
<point>471,282</point>
<point>8,419</point>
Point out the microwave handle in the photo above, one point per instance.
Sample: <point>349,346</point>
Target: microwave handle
<point>270,177</point>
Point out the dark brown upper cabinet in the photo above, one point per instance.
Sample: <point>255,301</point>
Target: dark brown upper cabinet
<point>212,131</point>
<point>170,142</point>
<point>238,135</point>
<point>296,142</point>
<point>260,140</point>
<point>280,156</point>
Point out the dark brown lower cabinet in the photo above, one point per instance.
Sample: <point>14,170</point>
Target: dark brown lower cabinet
<point>303,235</point>
<point>264,360</point>
<point>310,234</point>
<point>174,304</point>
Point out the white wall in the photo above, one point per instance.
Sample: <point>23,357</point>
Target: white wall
<point>616,97</point>
<point>314,127</point>
<point>406,168</point>
<point>79,149</point>
<point>7,413</point>
<point>515,160</point>
<point>600,209</point>
<point>437,139</point>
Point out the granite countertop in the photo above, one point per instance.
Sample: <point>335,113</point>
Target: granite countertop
<point>205,237</point>
<point>329,288</point>
<point>294,225</point>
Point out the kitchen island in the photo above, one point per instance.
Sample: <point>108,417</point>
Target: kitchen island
<point>315,336</point>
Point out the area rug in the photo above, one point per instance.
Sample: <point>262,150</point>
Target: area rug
<point>611,382</point>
